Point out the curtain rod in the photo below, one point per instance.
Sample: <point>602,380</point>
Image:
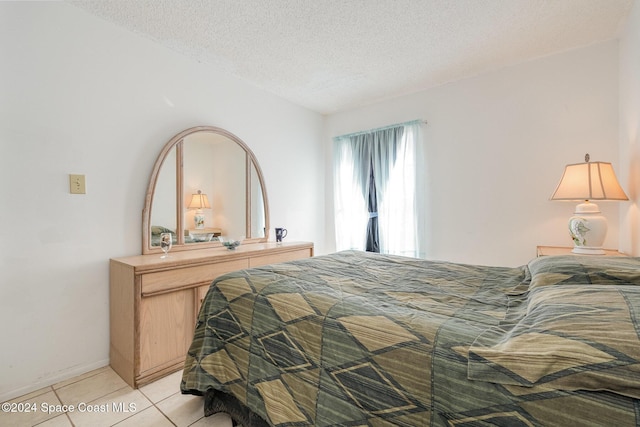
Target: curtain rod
<point>382,128</point>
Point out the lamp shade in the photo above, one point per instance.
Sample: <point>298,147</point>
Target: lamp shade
<point>199,201</point>
<point>589,181</point>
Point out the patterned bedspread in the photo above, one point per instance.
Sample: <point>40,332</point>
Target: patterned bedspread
<point>360,339</point>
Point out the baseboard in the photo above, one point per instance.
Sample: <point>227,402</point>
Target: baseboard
<point>49,381</point>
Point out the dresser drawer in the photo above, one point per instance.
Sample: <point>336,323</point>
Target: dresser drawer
<point>257,261</point>
<point>166,281</point>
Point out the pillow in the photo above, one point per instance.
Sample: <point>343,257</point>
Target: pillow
<point>584,270</point>
<point>565,337</point>
<point>157,230</point>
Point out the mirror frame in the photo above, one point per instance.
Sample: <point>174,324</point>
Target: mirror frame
<point>180,245</point>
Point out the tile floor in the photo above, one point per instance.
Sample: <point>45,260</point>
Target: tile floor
<point>102,398</point>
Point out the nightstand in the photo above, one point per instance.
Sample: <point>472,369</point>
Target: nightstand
<point>197,231</point>
<point>203,234</point>
<point>565,250</point>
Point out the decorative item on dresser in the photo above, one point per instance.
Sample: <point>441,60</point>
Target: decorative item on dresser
<point>154,298</point>
<point>281,233</point>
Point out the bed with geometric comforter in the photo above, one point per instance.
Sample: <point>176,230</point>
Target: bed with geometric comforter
<point>361,339</point>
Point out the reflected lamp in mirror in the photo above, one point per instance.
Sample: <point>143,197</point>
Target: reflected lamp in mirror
<point>586,182</point>
<point>198,202</point>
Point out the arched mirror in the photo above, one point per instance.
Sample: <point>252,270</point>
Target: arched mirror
<point>206,186</point>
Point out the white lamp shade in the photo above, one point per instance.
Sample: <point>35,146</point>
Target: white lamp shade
<point>589,181</point>
<point>199,201</point>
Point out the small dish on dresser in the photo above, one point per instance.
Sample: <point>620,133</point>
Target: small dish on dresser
<point>231,244</point>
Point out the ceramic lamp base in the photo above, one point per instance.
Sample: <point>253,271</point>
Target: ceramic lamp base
<point>587,251</point>
<point>588,228</point>
<point>198,219</point>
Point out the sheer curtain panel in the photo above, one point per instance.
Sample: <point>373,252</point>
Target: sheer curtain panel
<point>376,202</point>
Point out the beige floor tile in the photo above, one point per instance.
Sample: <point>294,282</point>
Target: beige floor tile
<point>81,377</point>
<point>105,390</point>
<point>110,409</point>
<point>31,395</point>
<point>182,410</point>
<point>30,411</point>
<point>59,421</point>
<point>163,388</point>
<point>216,420</point>
<point>150,417</point>
<point>91,388</point>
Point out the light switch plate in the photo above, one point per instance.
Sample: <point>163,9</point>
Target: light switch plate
<point>77,184</point>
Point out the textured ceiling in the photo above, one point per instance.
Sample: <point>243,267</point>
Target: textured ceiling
<point>331,55</point>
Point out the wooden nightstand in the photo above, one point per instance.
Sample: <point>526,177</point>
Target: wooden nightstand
<point>215,231</point>
<point>565,250</point>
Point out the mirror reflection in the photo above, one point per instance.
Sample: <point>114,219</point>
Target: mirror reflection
<point>258,224</point>
<point>216,166</point>
<point>164,201</point>
<point>208,184</point>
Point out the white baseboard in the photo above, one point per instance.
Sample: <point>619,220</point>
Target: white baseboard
<point>49,381</point>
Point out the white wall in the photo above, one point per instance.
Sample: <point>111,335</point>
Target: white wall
<point>630,133</point>
<point>496,146</point>
<point>79,95</point>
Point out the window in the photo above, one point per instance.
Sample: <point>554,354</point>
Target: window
<point>376,201</point>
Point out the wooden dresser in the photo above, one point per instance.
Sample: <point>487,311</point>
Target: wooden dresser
<point>154,302</point>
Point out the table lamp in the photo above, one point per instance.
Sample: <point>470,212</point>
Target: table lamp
<point>199,201</point>
<point>588,181</point>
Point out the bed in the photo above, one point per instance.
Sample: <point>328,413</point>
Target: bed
<point>362,339</point>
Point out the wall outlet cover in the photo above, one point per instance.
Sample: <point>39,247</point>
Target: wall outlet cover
<point>77,184</point>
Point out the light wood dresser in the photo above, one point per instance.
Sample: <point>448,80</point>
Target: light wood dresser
<point>154,302</point>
